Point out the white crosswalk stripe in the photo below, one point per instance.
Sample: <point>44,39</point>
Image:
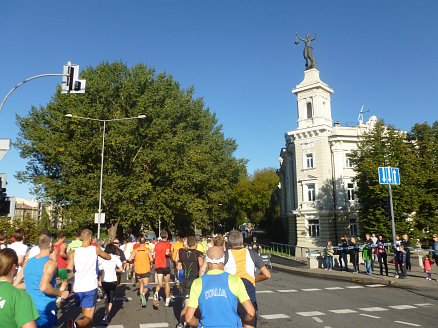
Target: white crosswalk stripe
<point>407,323</point>
<point>274,316</point>
<point>310,289</point>
<point>264,291</point>
<point>287,290</point>
<point>402,307</point>
<point>373,309</point>
<point>154,325</point>
<point>355,287</point>
<point>310,313</point>
<point>369,316</point>
<point>334,288</point>
<point>343,311</point>
<point>423,304</point>
<point>375,285</point>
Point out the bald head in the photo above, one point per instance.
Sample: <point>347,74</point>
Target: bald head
<point>215,252</point>
<point>215,258</point>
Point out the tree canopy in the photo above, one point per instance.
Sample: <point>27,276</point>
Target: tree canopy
<point>415,199</point>
<point>173,165</point>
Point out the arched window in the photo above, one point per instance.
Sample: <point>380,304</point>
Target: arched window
<point>309,110</point>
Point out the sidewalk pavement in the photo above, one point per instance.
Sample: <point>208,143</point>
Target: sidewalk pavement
<point>416,278</point>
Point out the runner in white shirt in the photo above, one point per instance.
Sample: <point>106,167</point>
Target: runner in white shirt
<point>109,270</point>
<point>84,261</point>
<point>127,249</point>
<point>19,247</point>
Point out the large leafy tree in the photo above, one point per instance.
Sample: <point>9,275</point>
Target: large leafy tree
<point>173,165</point>
<point>255,195</point>
<point>386,146</point>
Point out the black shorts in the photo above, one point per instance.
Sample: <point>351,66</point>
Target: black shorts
<point>110,290</point>
<point>164,271</point>
<point>186,285</point>
<point>241,311</point>
<point>142,275</point>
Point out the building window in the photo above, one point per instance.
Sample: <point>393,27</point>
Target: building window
<point>311,192</point>
<point>313,226</point>
<point>348,162</point>
<point>353,227</point>
<point>309,110</point>
<point>309,161</point>
<point>350,191</point>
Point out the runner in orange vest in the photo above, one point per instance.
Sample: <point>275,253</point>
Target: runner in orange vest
<point>142,265</point>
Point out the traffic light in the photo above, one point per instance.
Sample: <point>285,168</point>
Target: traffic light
<point>387,205</point>
<point>70,79</point>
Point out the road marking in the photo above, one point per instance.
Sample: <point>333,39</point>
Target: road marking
<point>287,290</point>
<point>369,316</point>
<point>408,323</point>
<point>334,288</point>
<point>310,289</point>
<point>343,311</point>
<point>402,307</point>
<point>424,304</point>
<point>373,309</point>
<point>375,285</point>
<point>317,319</point>
<point>355,287</point>
<point>310,314</point>
<point>264,291</point>
<point>154,325</point>
<point>110,326</point>
<point>274,316</point>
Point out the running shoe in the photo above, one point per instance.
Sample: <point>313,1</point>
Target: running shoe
<point>58,302</point>
<point>167,302</point>
<point>156,300</point>
<point>143,300</point>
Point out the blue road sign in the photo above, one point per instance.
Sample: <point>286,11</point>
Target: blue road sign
<point>389,175</point>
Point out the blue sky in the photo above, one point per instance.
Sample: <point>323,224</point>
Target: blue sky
<point>239,55</point>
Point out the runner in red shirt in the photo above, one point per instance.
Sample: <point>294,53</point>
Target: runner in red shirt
<point>163,257</point>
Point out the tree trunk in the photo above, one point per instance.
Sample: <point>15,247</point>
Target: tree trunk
<point>112,231</point>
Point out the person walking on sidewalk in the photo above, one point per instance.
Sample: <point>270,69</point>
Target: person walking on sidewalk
<point>83,261</point>
<point>382,256</point>
<point>142,257</point>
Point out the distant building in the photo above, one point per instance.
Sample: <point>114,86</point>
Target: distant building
<point>318,198</point>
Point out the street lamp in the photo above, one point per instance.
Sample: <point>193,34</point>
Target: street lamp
<point>212,219</point>
<point>102,155</point>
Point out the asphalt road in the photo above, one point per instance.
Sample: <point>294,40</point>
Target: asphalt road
<point>289,300</point>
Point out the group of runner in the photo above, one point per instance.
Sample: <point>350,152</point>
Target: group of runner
<point>94,268</point>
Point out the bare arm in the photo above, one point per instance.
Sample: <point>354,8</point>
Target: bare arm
<point>190,317</point>
<point>71,261</point>
<point>132,255</point>
<point>249,311</point>
<point>203,267</point>
<point>30,324</point>
<point>45,285</point>
<point>264,274</point>
<point>102,254</point>
<point>64,251</point>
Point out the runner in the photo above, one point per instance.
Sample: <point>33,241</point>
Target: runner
<point>190,261</point>
<point>243,263</point>
<point>127,249</point>
<point>61,250</point>
<point>40,281</point>
<point>142,257</point>
<point>75,244</point>
<point>109,269</point>
<point>84,261</point>
<point>162,266</point>
<point>17,308</point>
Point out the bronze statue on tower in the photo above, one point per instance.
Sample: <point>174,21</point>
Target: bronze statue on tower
<point>308,50</point>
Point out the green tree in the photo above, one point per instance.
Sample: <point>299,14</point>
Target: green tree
<point>386,146</point>
<point>254,194</point>
<point>175,164</point>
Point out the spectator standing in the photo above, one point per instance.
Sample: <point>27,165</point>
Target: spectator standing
<point>435,248</point>
<point>109,269</point>
<point>329,255</point>
<point>382,256</point>
<point>354,255</point>
<point>17,308</point>
<point>84,262</point>
<point>40,280</point>
<point>243,262</point>
<point>401,261</point>
<point>395,260</point>
<point>217,295</point>
<point>367,257</point>
<point>162,266</point>
<point>427,264</point>
<point>343,249</point>
<point>406,244</point>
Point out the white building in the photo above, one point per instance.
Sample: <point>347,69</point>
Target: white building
<point>317,192</point>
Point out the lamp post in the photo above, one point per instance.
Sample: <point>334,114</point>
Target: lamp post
<point>102,156</point>
<point>212,219</point>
